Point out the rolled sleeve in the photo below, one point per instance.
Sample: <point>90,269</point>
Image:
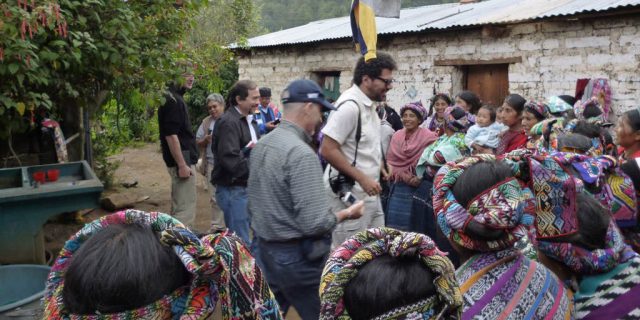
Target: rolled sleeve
<point>342,122</point>
<point>200,132</point>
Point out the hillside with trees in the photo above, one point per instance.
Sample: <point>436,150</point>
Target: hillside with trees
<point>281,14</point>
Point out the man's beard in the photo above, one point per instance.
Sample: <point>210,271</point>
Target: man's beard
<point>381,97</point>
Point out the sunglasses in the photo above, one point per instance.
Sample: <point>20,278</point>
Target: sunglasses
<point>387,81</point>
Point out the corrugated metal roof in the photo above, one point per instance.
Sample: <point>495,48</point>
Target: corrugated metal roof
<point>443,16</point>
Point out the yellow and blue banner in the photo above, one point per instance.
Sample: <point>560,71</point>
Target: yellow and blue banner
<point>363,23</point>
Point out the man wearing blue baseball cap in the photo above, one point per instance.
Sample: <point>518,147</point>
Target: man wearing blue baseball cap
<point>288,205</point>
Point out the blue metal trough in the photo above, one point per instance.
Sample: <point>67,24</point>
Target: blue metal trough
<point>25,205</point>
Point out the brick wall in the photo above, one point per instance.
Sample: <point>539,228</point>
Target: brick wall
<point>554,55</point>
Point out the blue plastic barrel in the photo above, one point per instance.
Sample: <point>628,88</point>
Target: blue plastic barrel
<point>21,284</point>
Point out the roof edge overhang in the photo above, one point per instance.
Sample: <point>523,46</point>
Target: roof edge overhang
<point>629,10</point>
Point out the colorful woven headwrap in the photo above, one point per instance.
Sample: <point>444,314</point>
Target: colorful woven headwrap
<point>365,246</point>
<point>541,110</point>
<point>553,128</point>
<point>584,261</point>
<point>617,192</point>
<point>557,105</point>
<point>220,263</point>
<point>580,106</point>
<point>506,206</point>
<point>457,125</point>
<point>417,108</point>
<point>556,214</point>
<point>555,193</point>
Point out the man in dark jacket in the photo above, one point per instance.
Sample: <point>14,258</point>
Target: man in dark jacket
<point>179,150</point>
<point>234,135</point>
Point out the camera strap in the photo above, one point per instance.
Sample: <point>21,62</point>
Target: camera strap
<point>358,129</point>
<point>358,132</point>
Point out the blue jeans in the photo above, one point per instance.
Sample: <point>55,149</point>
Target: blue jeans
<point>296,278</point>
<point>233,202</point>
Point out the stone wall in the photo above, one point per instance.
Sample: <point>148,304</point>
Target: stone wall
<point>554,55</point>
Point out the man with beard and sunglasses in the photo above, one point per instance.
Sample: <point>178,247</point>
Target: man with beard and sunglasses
<point>351,145</point>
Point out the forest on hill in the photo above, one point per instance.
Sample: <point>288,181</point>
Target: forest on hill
<point>283,14</point>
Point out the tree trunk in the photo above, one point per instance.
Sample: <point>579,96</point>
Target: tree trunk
<point>73,122</point>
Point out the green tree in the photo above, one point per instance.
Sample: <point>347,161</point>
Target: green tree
<point>216,26</point>
<point>72,54</point>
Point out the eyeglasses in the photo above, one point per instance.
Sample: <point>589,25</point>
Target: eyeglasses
<point>387,81</point>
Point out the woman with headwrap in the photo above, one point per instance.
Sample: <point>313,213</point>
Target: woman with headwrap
<point>435,119</point>
<point>578,238</point>
<point>560,134</point>
<point>139,265</point>
<point>533,113</point>
<point>549,125</point>
<point>389,274</point>
<point>404,151</point>
<point>484,210</point>
<point>590,121</point>
<point>510,114</point>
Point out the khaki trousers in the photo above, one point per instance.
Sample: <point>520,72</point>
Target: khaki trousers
<point>183,197</point>
<point>372,216</point>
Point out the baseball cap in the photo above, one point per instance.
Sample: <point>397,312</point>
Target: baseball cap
<point>304,90</point>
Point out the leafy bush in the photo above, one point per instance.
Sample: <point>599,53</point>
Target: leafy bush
<point>220,82</point>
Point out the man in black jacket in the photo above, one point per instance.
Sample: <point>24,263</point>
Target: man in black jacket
<point>234,135</point>
<point>179,150</point>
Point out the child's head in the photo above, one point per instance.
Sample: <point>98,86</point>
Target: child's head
<point>486,116</point>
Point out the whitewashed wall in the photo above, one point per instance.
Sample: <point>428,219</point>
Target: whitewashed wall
<point>554,55</point>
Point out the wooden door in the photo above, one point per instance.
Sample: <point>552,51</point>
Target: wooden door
<point>489,81</point>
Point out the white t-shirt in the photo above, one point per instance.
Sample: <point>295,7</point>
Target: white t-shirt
<point>200,135</point>
<point>341,127</point>
<point>249,118</point>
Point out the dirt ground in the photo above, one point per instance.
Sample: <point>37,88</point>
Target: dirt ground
<point>144,165</point>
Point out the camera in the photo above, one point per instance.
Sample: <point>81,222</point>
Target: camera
<point>342,185</point>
